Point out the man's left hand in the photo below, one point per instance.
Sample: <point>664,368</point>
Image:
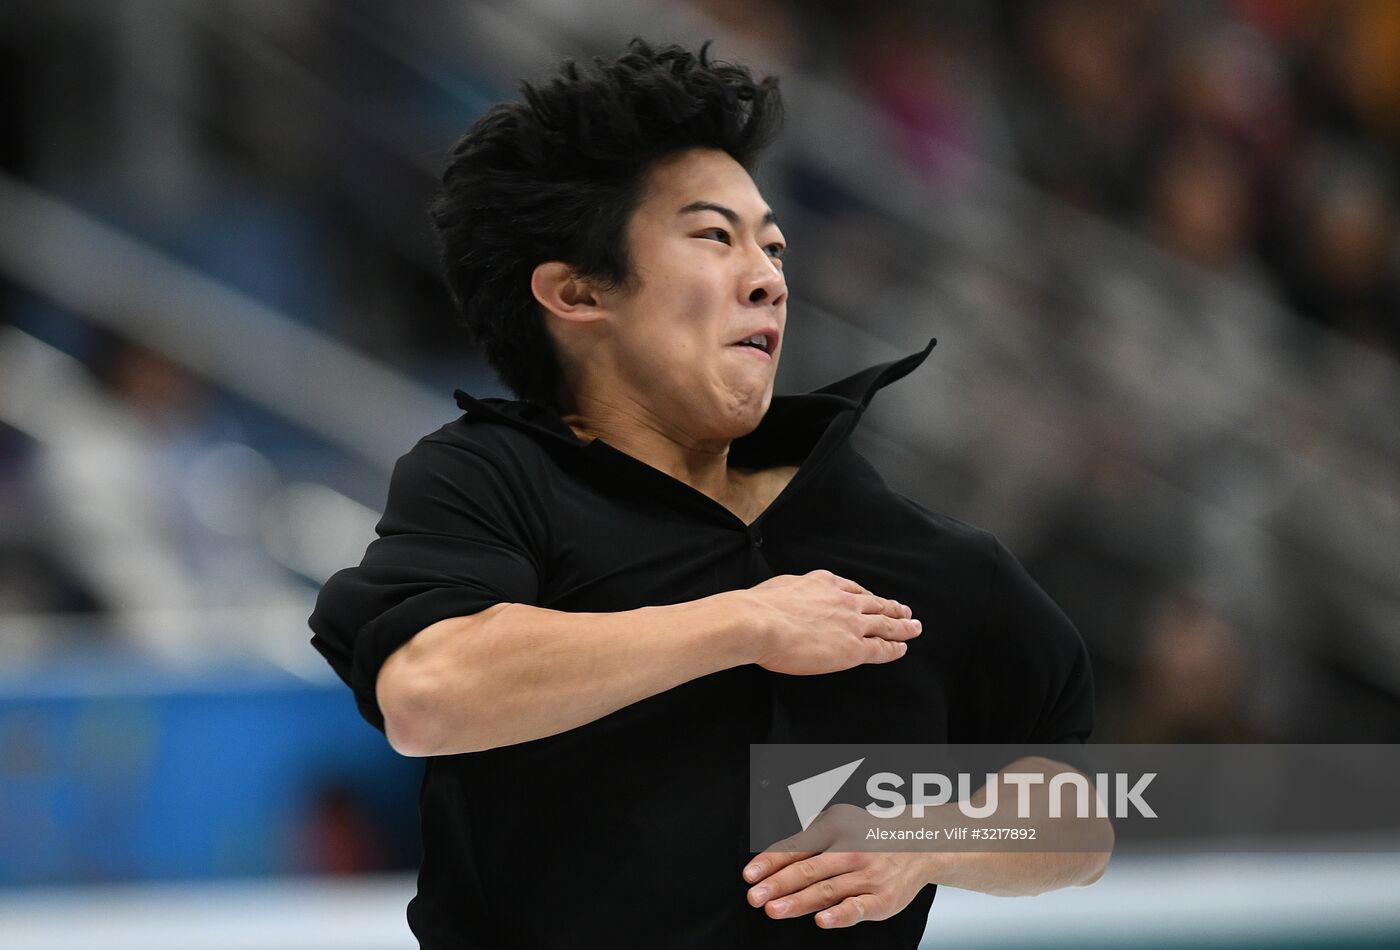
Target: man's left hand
<point>842,888</point>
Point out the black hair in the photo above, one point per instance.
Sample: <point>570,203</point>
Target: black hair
<point>558,176</point>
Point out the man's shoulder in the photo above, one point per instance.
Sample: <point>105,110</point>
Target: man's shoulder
<point>476,438</point>
<point>462,460</point>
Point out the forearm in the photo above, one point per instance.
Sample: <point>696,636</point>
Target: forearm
<point>1025,872</point>
<point>518,672</point>
<point>1016,874</point>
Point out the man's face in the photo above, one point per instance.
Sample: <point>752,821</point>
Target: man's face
<point>706,274</point>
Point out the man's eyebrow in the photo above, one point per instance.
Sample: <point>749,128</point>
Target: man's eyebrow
<point>695,206</point>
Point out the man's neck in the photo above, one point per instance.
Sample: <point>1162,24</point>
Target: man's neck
<point>701,463</point>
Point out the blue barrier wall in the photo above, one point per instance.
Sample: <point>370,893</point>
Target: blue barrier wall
<point>115,770</point>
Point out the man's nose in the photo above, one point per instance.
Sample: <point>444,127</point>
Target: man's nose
<point>765,283</point>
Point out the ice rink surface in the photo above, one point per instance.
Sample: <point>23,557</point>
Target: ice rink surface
<point>1249,900</point>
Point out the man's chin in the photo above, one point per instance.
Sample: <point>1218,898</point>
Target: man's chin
<point>749,417</point>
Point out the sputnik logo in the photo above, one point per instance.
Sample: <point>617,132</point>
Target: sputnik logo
<point>811,795</point>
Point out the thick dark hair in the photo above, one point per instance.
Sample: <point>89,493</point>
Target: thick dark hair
<point>558,176</point>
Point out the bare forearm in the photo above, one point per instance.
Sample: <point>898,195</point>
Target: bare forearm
<point>1016,874</point>
<point>1020,873</point>
<point>518,672</point>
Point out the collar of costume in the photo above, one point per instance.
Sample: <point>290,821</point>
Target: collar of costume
<point>785,413</point>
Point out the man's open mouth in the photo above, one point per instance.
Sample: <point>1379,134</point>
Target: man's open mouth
<point>765,340</point>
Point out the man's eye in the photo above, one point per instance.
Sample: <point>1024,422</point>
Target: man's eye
<point>723,234</point>
<point>777,250</point>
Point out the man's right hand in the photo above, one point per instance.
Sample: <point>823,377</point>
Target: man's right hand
<point>820,622</point>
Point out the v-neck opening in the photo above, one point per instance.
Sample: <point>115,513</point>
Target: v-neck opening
<point>833,432</point>
<point>816,456</point>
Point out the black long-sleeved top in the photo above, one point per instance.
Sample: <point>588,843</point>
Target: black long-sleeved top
<point>631,831</point>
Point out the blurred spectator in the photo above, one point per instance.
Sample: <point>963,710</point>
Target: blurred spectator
<point>339,834</point>
<point>1084,96</point>
<point>1344,55</point>
<point>1090,558</point>
<point>1339,248</point>
<point>906,58</point>
<point>1194,679</point>
<point>152,499</point>
<point>1198,205</point>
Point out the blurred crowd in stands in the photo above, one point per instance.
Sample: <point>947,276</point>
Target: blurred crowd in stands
<point>287,151</point>
<point>1259,139</point>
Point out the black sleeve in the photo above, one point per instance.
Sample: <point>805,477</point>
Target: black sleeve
<point>454,540</point>
<point>1037,658</point>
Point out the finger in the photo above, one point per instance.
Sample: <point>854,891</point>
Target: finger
<point>888,628</point>
<point>818,896</point>
<point>880,650</point>
<point>800,875</point>
<point>849,912</point>
<point>772,861</point>
<point>885,607</point>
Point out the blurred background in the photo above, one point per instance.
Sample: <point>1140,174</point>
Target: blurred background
<point>1159,244</point>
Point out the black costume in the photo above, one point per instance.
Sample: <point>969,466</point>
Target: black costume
<point>631,831</point>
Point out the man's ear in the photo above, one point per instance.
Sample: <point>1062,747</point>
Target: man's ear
<point>564,294</point>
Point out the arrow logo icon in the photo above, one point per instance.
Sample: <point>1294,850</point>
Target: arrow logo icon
<point>811,795</point>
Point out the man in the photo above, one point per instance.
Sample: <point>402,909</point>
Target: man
<point>586,603</point>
